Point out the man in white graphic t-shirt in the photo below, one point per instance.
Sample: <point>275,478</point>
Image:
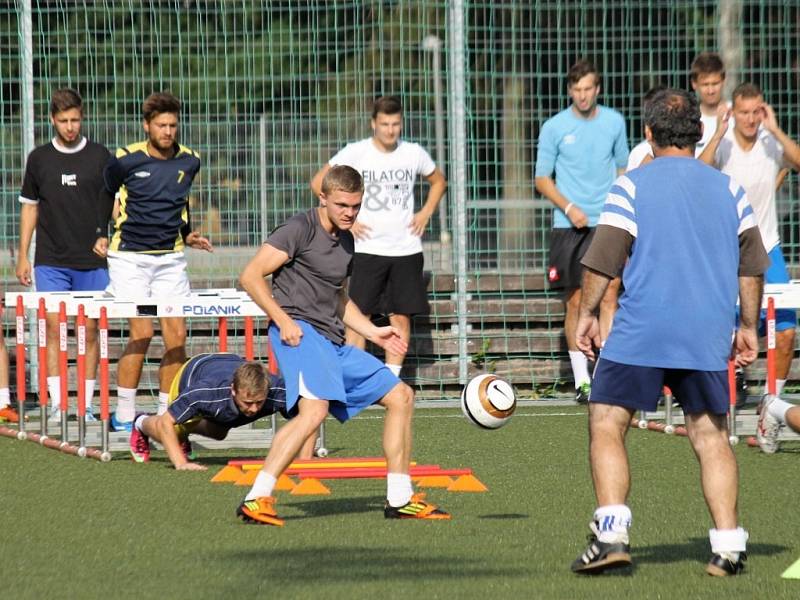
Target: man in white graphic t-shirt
<point>755,151</point>
<point>387,264</point>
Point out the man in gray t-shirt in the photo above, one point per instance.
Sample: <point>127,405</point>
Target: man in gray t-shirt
<point>309,258</point>
<point>309,287</point>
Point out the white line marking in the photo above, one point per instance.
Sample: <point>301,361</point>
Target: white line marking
<point>460,416</point>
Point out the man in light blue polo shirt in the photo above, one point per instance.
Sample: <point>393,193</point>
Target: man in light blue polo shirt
<point>586,146</point>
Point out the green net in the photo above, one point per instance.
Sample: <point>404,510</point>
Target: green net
<point>272,89</point>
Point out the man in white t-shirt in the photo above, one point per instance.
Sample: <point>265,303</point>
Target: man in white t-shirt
<point>642,153</point>
<point>708,78</point>
<point>387,264</point>
<point>754,152</point>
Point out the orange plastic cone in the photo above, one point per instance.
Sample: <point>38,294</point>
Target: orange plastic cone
<point>467,483</point>
<point>285,483</point>
<point>310,487</point>
<point>434,481</point>
<point>247,478</point>
<point>227,474</point>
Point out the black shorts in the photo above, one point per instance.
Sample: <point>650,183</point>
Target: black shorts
<point>567,247</point>
<point>388,284</point>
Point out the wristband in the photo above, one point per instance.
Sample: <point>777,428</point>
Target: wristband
<point>566,209</point>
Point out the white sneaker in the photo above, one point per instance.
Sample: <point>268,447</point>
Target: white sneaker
<point>55,416</point>
<point>90,418</point>
<point>768,427</point>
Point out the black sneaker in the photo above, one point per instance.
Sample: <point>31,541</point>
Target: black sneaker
<point>721,565</point>
<point>741,389</point>
<point>582,393</point>
<point>600,556</point>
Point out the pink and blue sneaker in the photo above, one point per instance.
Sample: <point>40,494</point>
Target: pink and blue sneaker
<point>140,446</point>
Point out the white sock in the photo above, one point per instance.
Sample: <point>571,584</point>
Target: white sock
<point>613,522</point>
<point>779,383</point>
<point>138,422</point>
<point>163,400</point>
<point>262,486</point>
<point>580,367</point>
<point>89,389</point>
<point>398,488</point>
<point>126,404</point>
<point>54,389</point>
<point>778,408</point>
<point>728,541</point>
<point>394,369</point>
<point>5,397</point>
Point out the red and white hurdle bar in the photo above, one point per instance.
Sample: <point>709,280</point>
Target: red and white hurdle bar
<point>42,436</point>
<point>83,305</point>
<point>783,295</point>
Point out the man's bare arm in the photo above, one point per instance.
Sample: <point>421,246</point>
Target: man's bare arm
<point>546,186</point>
<point>316,181</point>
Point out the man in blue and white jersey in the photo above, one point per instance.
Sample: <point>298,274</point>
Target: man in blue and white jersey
<point>674,224</point>
<point>152,181</point>
<point>210,395</point>
<point>585,147</point>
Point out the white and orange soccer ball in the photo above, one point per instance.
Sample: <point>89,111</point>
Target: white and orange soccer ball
<point>488,401</point>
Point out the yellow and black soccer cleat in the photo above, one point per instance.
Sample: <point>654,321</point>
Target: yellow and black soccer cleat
<point>259,510</point>
<point>416,508</point>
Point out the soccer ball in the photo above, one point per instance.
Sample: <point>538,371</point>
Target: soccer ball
<point>488,401</point>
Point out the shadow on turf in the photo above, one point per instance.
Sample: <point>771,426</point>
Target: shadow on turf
<point>211,460</point>
<point>337,564</point>
<point>694,549</point>
<point>335,506</point>
<point>505,516</point>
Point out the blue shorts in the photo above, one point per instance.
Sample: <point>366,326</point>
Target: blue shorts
<point>785,318</point>
<point>639,388</point>
<point>62,279</point>
<point>349,378</point>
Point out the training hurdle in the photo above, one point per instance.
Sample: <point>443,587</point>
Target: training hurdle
<point>310,472</point>
<point>223,304</point>
<point>776,295</point>
<point>58,305</point>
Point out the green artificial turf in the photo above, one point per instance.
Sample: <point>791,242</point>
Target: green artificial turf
<point>75,528</point>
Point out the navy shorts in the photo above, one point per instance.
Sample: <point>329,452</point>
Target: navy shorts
<point>639,388</point>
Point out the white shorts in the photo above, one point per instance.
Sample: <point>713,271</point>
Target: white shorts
<point>135,275</point>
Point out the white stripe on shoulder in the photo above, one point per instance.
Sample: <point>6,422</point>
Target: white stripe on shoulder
<point>742,205</point>
<point>25,200</point>
<point>209,402</point>
<point>620,201</point>
<point>746,223</point>
<point>626,184</point>
<point>734,187</point>
<point>619,221</point>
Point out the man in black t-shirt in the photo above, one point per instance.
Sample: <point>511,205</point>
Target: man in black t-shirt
<point>61,202</point>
